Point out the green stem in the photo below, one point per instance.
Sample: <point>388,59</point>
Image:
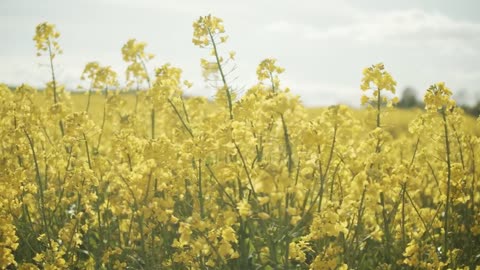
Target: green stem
<point>88,151</point>
<point>40,187</point>
<point>246,169</point>
<point>103,120</point>
<point>379,100</point>
<point>180,117</point>
<point>427,227</point>
<point>222,188</point>
<point>184,109</point>
<point>152,116</point>
<point>152,113</point>
<point>54,82</point>
<point>89,97</point>
<point>404,235</point>
<point>136,98</point>
<point>288,146</point>
<point>220,69</point>
<point>449,176</point>
<point>386,229</point>
<point>200,191</point>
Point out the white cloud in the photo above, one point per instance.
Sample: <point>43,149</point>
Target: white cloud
<point>400,27</point>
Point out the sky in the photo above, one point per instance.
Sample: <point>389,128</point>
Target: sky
<point>323,45</point>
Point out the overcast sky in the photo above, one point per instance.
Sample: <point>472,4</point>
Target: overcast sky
<point>324,45</point>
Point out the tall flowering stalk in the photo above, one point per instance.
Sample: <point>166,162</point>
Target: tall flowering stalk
<point>377,79</point>
<point>438,100</point>
<point>46,41</point>
<point>90,72</point>
<point>209,32</point>
<point>134,54</point>
<point>45,38</point>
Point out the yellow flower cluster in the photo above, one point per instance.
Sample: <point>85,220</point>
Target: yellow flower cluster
<point>133,52</point>
<point>377,75</point>
<point>46,39</point>
<point>207,28</point>
<point>101,78</point>
<point>159,180</point>
<point>378,79</point>
<point>438,96</point>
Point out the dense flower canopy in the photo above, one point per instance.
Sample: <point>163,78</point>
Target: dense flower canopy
<point>153,179</point>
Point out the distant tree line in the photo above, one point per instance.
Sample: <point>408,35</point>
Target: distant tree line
<point>409,99</point>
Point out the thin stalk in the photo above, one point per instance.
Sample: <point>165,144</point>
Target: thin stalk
<point>449,176</point>
<point>386,229</point>
<point>287,251</point>
<point>185,109</point>
<point>54,82</point>
<point>152,117</point>
<point>62,190</point>
<point>246,169</point>
<point>333,181</point>
<point>414,152</point>
<point>460,148</point>
<point>89,97</point>
<point>139,219</point>
<point>147,189</point>
<point>200,191</point>
<point>379,99</point>
<point>288,147</point>
<point>404,235</point>
<point>434,175</point>
<point>474,178</point>
<point>45,170</point>
<point>222,75</point>
<point>40,187</point>
<point>323,177</point>
<point>72,234</point>
<point>378,149</point>
<point>222,188</point>
<point>360,212</point>
<point>180,117</point>
<point>152,113</point>
<point>136,98</point>
<point>103,119</point>
<point>427,227</point>
<point>88,151</point>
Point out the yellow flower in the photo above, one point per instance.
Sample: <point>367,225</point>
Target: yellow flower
<point>267,68</point>
<point>438,96</point>
<point>46,39</point>
<point>39,257</point>
<point>263,215</point>
<point>228,234</point>
<point>206,28</point>
<point>244,208</point>
<point>377,76</point>
<point>133,52</point>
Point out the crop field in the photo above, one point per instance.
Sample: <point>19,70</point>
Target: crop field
<point>153,179</point>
